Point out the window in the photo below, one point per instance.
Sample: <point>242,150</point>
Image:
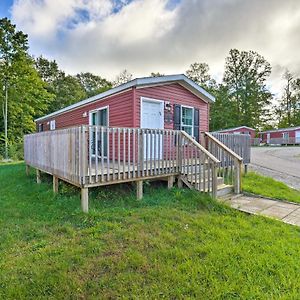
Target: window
<point>187,120</point>
<point>41,127</point>
<point>52,125</point>
<point>285,135</point>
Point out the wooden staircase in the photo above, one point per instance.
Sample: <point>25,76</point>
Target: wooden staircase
<point>219,173</point>
<point>194,182</point>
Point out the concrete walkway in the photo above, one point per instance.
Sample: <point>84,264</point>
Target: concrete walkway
<point>287,212</point>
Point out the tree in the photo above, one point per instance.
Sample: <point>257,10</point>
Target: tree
<point>245,78</point>
<point>12,44</point>
<point>47,69</point>
<point>156,74</point>
<point>93,84</point>
<point>67,90</point>
<point>122,78</point>
<point>24,95</point>
<point>221,110</point>
<point>199,73</point>
<point>288,109</point>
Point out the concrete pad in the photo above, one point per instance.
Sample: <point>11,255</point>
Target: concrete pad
<point>296,213</point>
<point>292,220</point>
<point>277,212</point>
<point>285,211</point>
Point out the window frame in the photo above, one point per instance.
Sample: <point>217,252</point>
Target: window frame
<point>284,135</point>
<point>52,125</point>
<point>193,119</point>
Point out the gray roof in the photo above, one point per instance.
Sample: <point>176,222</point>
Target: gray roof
<point>235,128</point>
<point>141,82</point>
<point>281,129</point>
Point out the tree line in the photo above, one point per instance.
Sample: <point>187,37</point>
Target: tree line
<point>35,86</point>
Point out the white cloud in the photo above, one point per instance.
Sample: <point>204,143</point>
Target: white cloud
<point>42,19</point>
<point>145,36</point>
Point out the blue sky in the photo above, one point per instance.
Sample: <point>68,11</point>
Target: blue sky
<point>4,8</point>
<point>166,36</point>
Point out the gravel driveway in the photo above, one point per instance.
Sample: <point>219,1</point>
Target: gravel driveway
<point>281,163</point>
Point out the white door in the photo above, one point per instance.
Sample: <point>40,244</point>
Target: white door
<point>268,138</point>
<point>297,136</point>
<point>152,117</point>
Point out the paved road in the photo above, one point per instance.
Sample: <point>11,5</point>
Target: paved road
<point>281,163</point>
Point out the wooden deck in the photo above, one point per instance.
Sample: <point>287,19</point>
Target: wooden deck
<point>89,156</point>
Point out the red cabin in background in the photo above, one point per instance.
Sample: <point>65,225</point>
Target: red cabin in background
<point>166,102</point>
<point>239,130</point>
<point>289,135</point>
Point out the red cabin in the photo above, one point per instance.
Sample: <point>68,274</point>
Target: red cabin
<point>166,102</point>
<point>289,135</point>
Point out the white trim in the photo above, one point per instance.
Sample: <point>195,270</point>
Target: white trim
<point>97,109</point>
<point>193,118</point>
<point>182,79</point>
<point>234,128</point>
<point>52,125</point>
<point>162,107</point>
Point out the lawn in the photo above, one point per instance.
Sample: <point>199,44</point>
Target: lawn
<point>268,187</point>
<point>173,244</point>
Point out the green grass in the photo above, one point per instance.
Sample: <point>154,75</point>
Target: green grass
<point>268,187</point>
<point>171,245</point>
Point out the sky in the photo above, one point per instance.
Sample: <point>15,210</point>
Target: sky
<point>143,36</point>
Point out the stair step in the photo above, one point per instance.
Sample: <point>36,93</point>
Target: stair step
<point>220,180</point>
<point>224,189</point>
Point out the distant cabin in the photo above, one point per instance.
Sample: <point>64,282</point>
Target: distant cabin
<point>240,130</point>
<point>290,135</point>
<point>166,102</point>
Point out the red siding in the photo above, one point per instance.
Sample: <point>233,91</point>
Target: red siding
<point>278,134</point>
<point>123,107</point>
<point>120,112</point>
<point>175,94</point>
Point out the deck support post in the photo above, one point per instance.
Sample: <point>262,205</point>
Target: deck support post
<point>139,189</point>
<point>170,181</point>
<point>38,176</point>
<point>85,199</point>
<point>179,182</point>
<point>55,184</point>
<point>27,170</point>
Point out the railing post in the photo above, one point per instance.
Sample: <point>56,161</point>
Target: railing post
<point>237,177</point>
<point>83,155</point>
<point>179,162</point>
<point>179,152</point>
<point>214,180</point>
<point>141,153</point>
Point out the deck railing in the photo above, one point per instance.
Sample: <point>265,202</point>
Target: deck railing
<point>284,141</point>
<point>230,162</point>
<point>56,152</point>
<point>199,166</point>
<point>238,143</point>
<point>126,154</point>
<point>94,155</point>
